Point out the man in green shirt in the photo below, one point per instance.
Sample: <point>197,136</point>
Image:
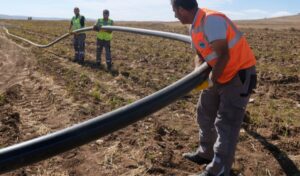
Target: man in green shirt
<point>103,39</point>
<point>78,22</point>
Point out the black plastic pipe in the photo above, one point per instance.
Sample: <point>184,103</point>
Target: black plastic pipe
<point>44,147</point>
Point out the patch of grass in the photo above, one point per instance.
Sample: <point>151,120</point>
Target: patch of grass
<point>150,155</point>
<point>84,80</point>
<point>279,113</point>
<point>96,94</point>
<point>2,99</point>
<point>116,101</point>
<point>86,110</point>
<point>129,101</point>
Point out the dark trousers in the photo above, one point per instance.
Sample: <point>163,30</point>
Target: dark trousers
<point>79,47</point>
<point>106,45</point>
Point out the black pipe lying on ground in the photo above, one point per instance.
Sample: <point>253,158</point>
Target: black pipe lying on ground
<point>47,146</point>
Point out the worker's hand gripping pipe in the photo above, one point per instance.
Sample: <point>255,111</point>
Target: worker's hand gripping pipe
<point>44,147</point>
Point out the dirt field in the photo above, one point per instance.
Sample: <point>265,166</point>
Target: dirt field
<point>42,91</point>
<point>288,22</point>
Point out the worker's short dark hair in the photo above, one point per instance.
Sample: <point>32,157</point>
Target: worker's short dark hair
<point>186,4</point>
<point>76,8</point>
<point>106,12</point>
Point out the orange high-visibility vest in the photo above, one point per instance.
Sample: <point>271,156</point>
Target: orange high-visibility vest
<point>240,53</point>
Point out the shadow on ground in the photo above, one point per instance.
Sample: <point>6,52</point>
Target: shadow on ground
<point>287,165</point>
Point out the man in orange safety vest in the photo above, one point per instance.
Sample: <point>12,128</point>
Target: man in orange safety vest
<point>221,107</point>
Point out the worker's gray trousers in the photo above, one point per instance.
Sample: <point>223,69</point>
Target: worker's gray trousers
<point>106,45</point>
<point>79,46</point>
<point>220,113</point>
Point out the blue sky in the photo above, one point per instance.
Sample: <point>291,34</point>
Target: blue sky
<point>147,10</point>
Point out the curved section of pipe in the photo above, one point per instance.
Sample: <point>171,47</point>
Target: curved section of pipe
<point>44,147</point>
<point>41,148</point>
<point>168,35</point>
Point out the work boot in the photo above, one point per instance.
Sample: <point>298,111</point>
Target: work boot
<point>109,65</point>
<point>81,61</point>
<point>194,157</point>
<point>99,66</point>
<point>76,57</point>
<point>206,173</point>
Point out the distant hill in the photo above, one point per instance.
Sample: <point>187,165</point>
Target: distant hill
<point>291,19</point>
<point>285,22</point>
<point>17,17</point>
<point>13,17</point>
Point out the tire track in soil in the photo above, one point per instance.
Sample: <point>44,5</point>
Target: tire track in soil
<point>40,105</point>
<point>36,99</point>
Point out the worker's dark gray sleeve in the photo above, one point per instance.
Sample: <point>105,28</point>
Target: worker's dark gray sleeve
<point>82,21</point>
<point>215,28</point>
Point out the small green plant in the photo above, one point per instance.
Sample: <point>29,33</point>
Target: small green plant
<point>2,99</point>
<point>96,94</point>
<point>116,101</point>
<point>129,101</point>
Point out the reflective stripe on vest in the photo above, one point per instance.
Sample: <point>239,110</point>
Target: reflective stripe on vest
<point>232,42</point>
<point>76,23</point>
<point>211,57</point>
<point>102,35</point>
<point>240,54</point>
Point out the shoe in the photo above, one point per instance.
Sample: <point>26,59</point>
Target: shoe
<point>194,157</point>
<point>206,173</point>
<point>81,61</point>
<point>109,67</point>
<point>98,64</point>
